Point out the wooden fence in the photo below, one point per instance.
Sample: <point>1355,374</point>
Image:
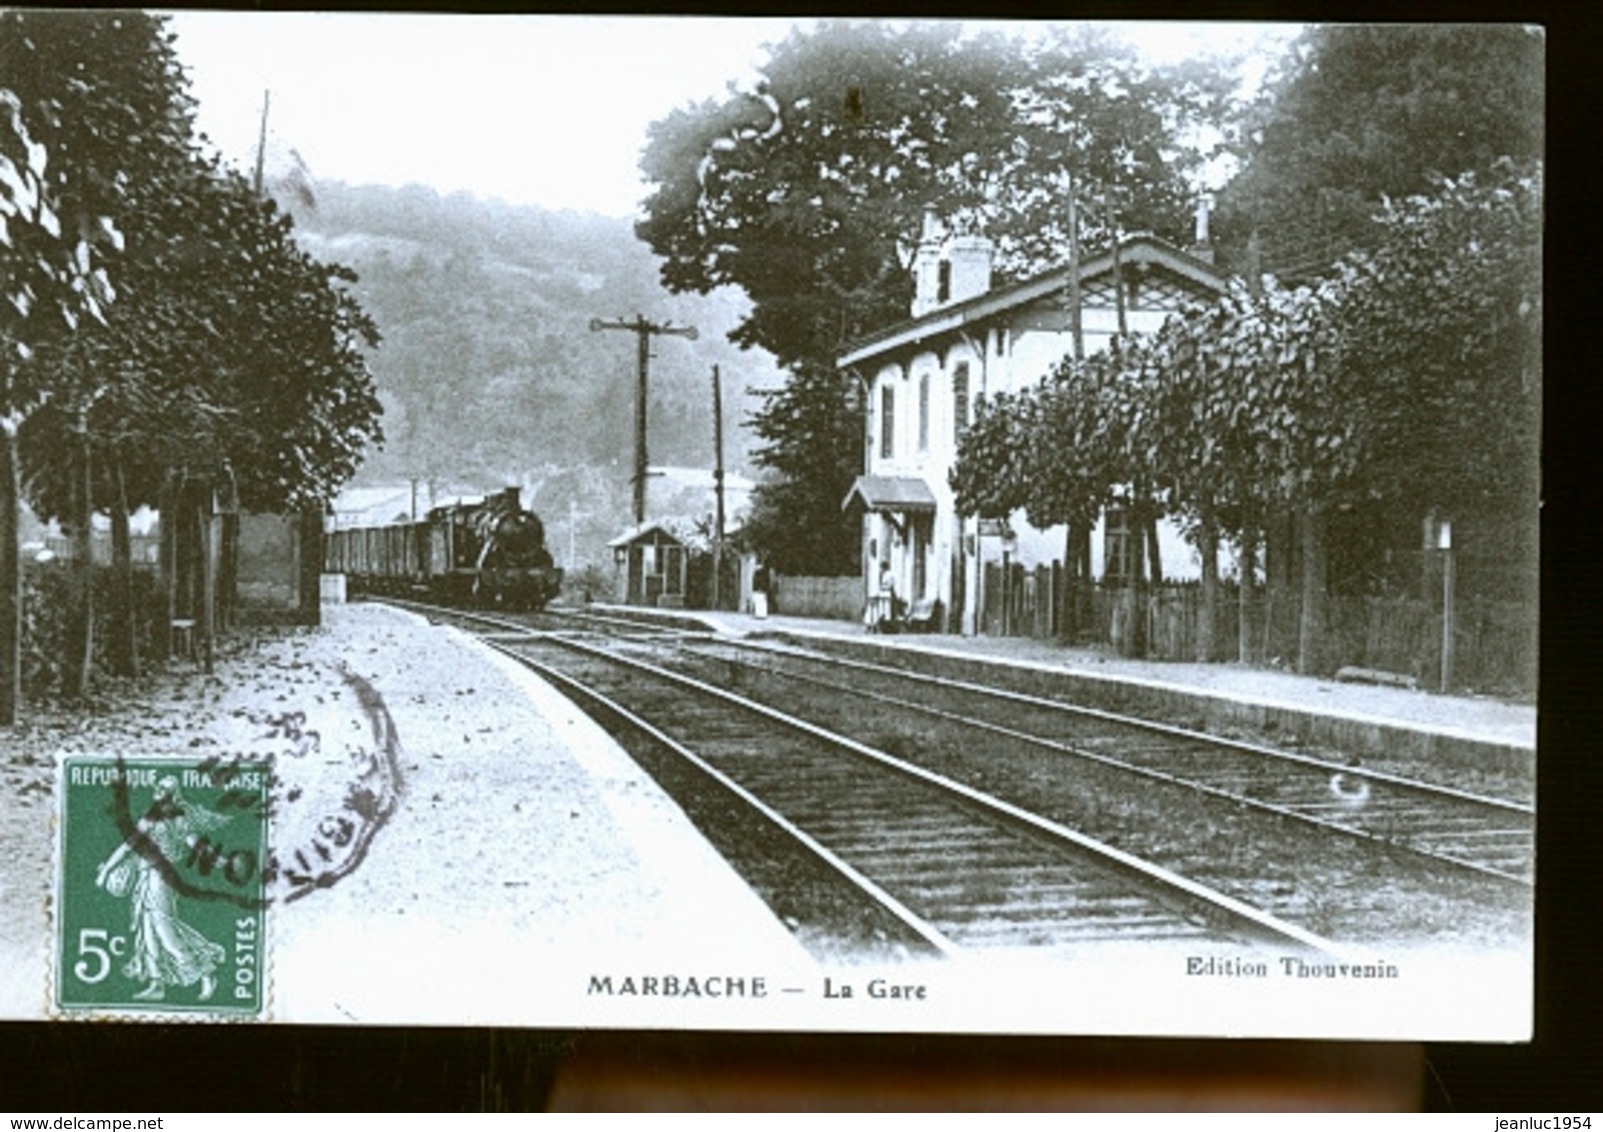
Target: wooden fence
<point>1494,642</point>
<point>837,599</point>
<point>144,548</point>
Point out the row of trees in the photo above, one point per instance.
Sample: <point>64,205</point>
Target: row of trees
<point>1407,381</point>
<point>163,340</point>
<point>807,190</point>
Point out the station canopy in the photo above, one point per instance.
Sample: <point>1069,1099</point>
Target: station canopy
<point>906,495</point>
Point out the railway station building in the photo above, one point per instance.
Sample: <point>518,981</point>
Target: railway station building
<point>966,340</point>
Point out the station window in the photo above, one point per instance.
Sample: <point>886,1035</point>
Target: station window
<point>924,412</point>
<point>870,425</point>
<point>887,421</point>
<point>959,398</point>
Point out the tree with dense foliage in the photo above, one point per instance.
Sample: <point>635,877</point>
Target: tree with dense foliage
<point>812,450</point>
<point>1407,381</point>
<point>1082,439</point>
<point>1208,435</point>
<point>230,358</point>
<point>233,362</point>
<point>1096,124</point>
<point>87,98</point>
<point>1355,114</point>
<point>1446,321</point>
<point>806,191</point>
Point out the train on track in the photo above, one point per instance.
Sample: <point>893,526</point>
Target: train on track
<point>489,554</point>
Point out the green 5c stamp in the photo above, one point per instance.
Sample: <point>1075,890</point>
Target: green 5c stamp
<point>160,889</point>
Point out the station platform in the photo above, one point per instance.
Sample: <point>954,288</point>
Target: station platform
<point>527,854</point>
<point>1356,717</point>
<point>522,860</point>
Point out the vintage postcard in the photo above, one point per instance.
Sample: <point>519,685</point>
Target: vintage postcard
<point>735,524</point>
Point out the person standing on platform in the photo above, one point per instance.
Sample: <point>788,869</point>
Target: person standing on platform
<point>759,592</point>
<point>882,603</point>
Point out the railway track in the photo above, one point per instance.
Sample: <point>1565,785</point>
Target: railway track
<point>958,868</point>
<point>1486,836</point>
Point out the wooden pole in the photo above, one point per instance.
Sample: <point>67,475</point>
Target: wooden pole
<point>1447,617</point>
<point>261,141</point>
<point>1076,332</point>
<point>642,366</point>
<point>643,331</point>
<point>717,486</point>
<point>208,581</point>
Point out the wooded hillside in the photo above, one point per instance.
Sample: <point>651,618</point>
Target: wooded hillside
<point>488,371</point>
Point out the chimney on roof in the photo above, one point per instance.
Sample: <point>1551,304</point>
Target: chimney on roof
<point>970,259</point>
<point>948,269</point>
<point>927,266</point>
<point>1202,244</point>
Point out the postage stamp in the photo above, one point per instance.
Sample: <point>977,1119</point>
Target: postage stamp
<point>161,878</point>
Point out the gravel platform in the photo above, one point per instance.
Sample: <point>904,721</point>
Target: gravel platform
<point>522,848</point>
<point>1354,714</point>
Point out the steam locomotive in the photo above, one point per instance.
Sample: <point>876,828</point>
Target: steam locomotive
<point>487,554</point>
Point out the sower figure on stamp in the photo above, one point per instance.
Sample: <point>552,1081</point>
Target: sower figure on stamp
<point>166,951</point>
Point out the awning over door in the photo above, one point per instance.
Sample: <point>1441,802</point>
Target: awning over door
<point>904,495</point>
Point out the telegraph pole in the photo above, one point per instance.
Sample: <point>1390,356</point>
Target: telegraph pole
<point>261,142</point>
<point>643,331</point>
<point>717,484</point>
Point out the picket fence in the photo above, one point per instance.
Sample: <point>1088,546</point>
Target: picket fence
<point>1494,642</point>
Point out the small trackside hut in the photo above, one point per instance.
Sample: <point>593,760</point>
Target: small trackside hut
<point>669,564</point>
<point>653,566</point>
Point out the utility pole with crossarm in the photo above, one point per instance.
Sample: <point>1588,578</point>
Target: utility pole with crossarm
<point>643,331</point>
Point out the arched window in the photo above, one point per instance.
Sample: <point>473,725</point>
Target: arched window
<point>924,412</point>
<point>887,421</point>
<point>959,398</point>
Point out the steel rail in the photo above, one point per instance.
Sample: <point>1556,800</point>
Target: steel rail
<point>1429,790</point>
<point>1146,772</point>
<point>1168,729</point>
<point>1256,920</point>
<point>689,641</point>
<point>584,693</point>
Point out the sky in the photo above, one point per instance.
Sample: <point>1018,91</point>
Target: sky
<point>545,110</point>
